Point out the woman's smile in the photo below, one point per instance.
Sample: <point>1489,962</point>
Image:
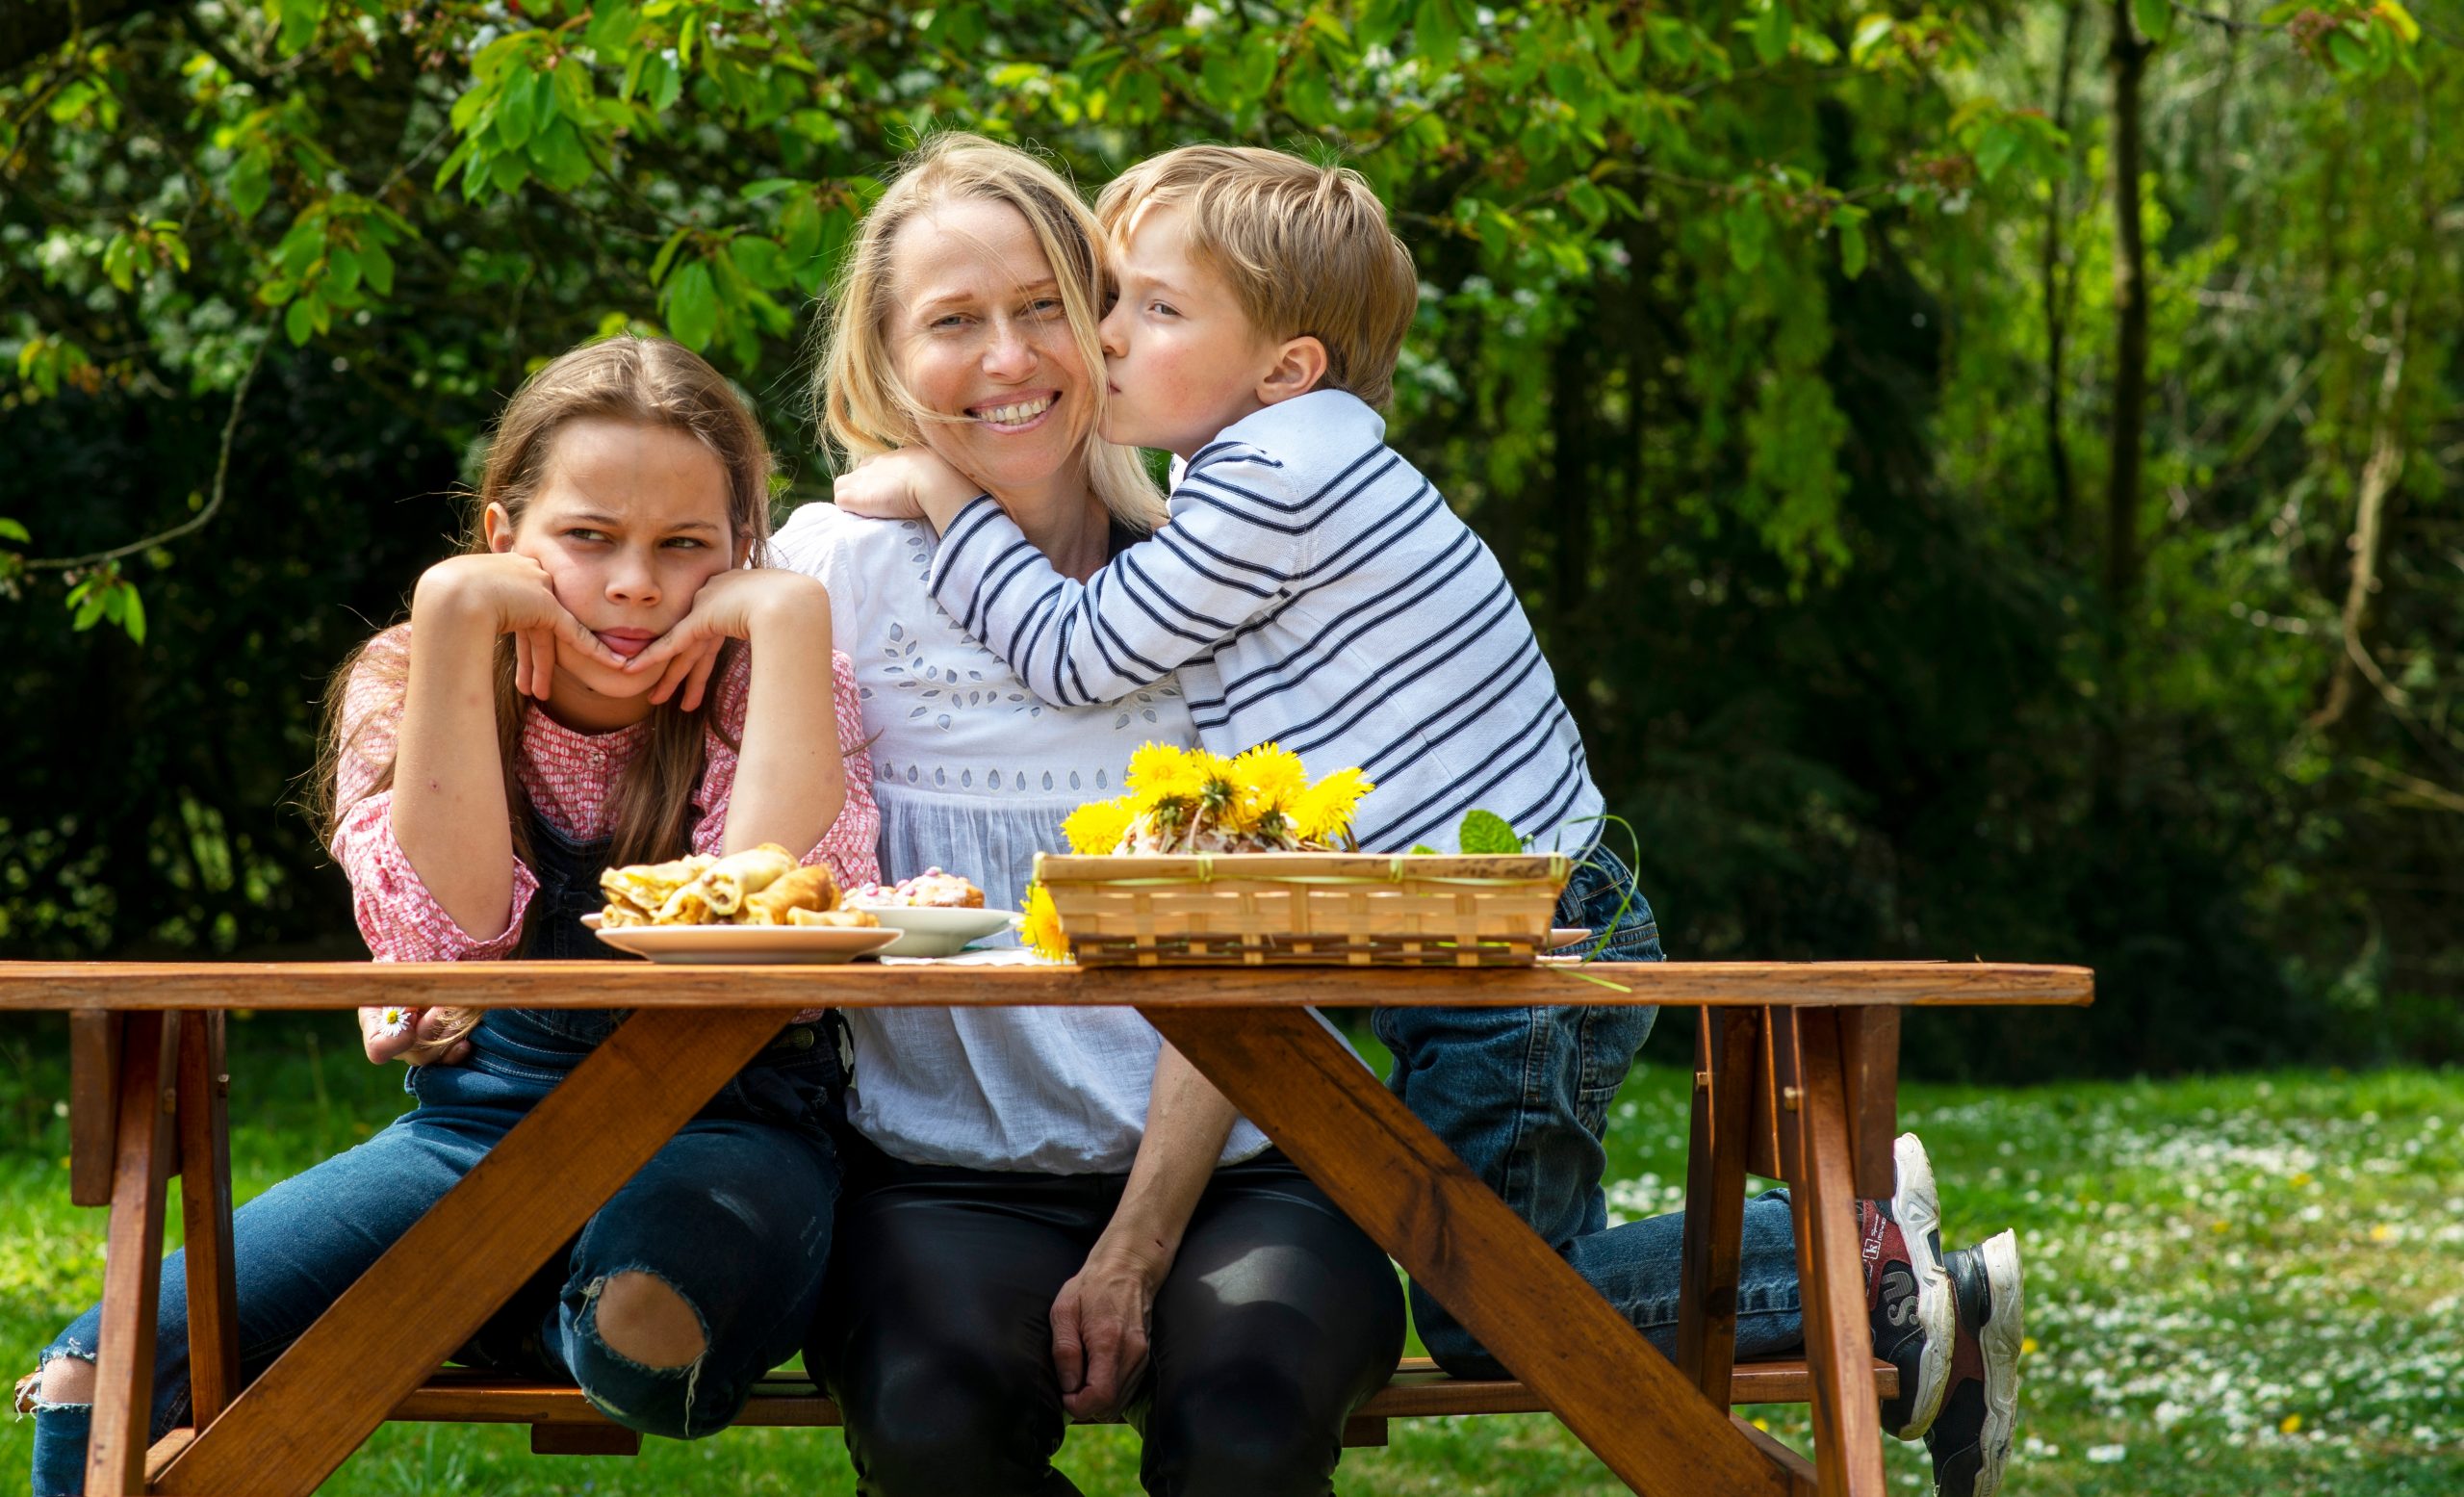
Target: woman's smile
<point>1017,412</point>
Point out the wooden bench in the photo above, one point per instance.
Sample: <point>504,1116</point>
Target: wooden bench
<point>563,1422</point>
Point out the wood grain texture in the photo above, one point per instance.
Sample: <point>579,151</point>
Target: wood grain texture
<point>205,1210</point>
<point>123,1413</point>
<point>1869,1070</point>
<point>1726,1046</point>
<point>462,1395</point>
<point>1847,1425</point>
<point>427,1294</point>
<point>94,1104</point>
<point>643,985</point>
<point>1286,1070</point>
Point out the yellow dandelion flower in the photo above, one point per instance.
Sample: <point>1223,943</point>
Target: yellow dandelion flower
<point>1270,774</point>
<point>2289,1425</point>
<point>1324,810</point>
<point>1096,828</point>
<point>1041,925</point>
<point>1160,771</point>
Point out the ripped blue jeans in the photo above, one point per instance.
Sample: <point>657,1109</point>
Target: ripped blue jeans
<point>733,1214</point>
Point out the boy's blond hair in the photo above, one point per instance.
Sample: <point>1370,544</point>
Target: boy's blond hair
<point>1305,248</point>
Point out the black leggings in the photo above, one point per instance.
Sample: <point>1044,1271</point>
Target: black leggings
<point>1278,1318</point>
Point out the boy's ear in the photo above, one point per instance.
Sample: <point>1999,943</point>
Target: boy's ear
<point>1299,363</point>
<point>497,524</point>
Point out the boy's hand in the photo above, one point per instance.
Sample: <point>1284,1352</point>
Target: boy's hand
<point>739,604</point>
<point>912,483</point>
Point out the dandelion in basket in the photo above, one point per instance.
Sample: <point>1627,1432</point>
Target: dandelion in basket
<point>1191,801</point>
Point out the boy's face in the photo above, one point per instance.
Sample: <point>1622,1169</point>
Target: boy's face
<point>1182,359</point>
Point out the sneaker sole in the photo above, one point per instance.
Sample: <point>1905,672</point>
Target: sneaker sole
<point>1919,1207</point>
<point>2000,1338</point>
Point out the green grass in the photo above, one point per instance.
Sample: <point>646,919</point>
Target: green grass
<point>2235,1285</point>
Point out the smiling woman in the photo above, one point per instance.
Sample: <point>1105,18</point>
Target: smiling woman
<point>1052,1215</point>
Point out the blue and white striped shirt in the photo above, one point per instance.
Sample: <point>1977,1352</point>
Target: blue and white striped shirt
<point>1315,591</point>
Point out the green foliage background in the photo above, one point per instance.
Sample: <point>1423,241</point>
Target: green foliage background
<point>1785,350</point>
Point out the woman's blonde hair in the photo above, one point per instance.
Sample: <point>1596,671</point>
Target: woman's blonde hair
<point>647,381</point>
<point>863,404</point>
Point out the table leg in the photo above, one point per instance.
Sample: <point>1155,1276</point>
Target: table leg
<point>1726,1040</point>
<point>1288,1073</point>
<point>205,1207</point>
<point>1818,1160</point>
<point>133,1259</point>
<point>291,1427</point>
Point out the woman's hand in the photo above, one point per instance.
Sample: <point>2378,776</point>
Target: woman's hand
<point>416,1036</point>
<point>1100,1324</point>
<point>739,604</point>
<point>507,593</point>
<point>912,483</point>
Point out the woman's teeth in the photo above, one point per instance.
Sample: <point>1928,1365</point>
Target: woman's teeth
<point>1015,415</point>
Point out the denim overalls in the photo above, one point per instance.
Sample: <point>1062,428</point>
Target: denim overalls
<point>733,1214</point>
<point>1523,1094</point>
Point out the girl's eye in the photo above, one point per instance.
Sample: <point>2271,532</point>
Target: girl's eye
<point>687,542</point>
<point>1161,309</point>
<point>584,533</point>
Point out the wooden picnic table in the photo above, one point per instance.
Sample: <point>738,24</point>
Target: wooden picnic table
<point>1796,1078</point>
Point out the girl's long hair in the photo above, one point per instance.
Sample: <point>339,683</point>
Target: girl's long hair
<point>863,404</point>
<point>647,381</point>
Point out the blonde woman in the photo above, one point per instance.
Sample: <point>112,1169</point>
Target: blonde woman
<point>486,759</point>
<point>1050,1214</point>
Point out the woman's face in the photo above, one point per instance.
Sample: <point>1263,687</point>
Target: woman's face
<point>628,521</point>
<point>977,331</point>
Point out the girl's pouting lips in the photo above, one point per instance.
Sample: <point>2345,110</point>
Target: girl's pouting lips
<point>1021,412</point>
<point>626,642</point>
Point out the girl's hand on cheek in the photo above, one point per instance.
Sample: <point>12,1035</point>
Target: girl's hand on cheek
<point>739,604</point>
<point>505,593</point>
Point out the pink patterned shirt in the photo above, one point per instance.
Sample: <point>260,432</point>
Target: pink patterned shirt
<point>570,778</point>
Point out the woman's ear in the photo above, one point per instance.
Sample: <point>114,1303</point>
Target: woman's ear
<point>743,548</point>
<point>497,524</point>
<point>1299,363</point>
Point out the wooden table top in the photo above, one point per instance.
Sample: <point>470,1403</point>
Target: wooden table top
<point>626,984</point>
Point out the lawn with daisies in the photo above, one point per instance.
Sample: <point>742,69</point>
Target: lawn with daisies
<point>2235,1285</point>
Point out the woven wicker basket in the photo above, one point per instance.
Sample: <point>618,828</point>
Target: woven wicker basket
<point>1277,909</point>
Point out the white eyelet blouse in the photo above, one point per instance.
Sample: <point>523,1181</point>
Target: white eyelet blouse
<point>973,775</point>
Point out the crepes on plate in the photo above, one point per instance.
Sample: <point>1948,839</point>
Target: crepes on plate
<point>760,886</point>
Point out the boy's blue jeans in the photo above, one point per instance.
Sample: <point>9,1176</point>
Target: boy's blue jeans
<point>1523,1094</point>
<point>733,1214</point>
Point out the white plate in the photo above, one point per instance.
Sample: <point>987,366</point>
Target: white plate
<point>767,944</point>
<point>935,930</point>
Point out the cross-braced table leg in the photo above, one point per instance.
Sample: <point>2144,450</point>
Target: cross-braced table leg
<point>290,1429</point>
<point>1288,1073</point>
<point>133,1257</point>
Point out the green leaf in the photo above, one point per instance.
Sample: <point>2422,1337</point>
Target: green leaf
<point>2155,18</point>
<point>251,181</point>
<point>11,531</point>
<point>692,305</point>
<point>610,33</point>
<point>1748,234</point>
<point>1852,249</point>
<point>88,601</point>
<point>300,320</point>
<point>1487,832</point>
<point>762,261</point>
<point>1772,30</point>
<point>1995,146</point>
<point>1437,32</point>
<point>2348,53</point>
<point>1422,849</point>
<point>131,612</point>
<point>1584,196</point>
<point>667,253</point>
<point>766,187</point>
<point>2399,20</point>
<point>376,268</point>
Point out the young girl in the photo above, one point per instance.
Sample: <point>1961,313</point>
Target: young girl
<point>486,759</point>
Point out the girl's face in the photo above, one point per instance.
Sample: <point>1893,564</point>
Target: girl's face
<point>978,332</point>
<point>629,521</point>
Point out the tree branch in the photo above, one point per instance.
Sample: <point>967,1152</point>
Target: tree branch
<point>30,29</point>
<point>222,472</point>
